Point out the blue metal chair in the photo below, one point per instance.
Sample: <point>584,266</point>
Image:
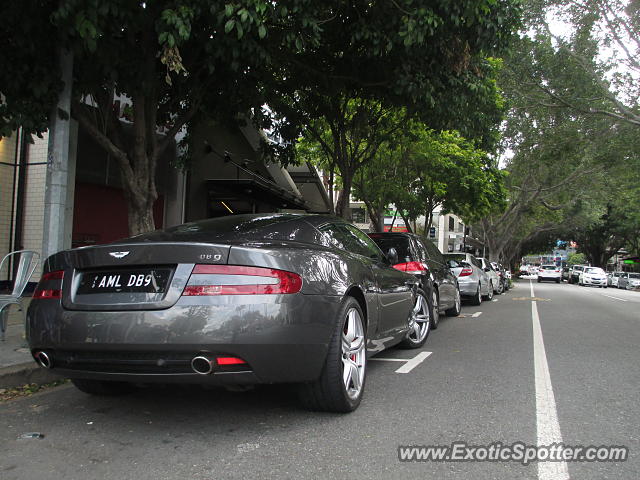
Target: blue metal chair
<point>27,262</point>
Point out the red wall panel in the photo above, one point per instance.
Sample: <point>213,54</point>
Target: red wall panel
<point>100,214</point>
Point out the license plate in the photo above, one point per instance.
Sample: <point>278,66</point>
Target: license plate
<point>142,280</point>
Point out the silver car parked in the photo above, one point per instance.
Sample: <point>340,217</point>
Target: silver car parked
<point>472,279</point>
<point>494,279</point>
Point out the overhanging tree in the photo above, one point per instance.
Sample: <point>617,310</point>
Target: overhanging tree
<point>431,59</point>
<point>170,59</point>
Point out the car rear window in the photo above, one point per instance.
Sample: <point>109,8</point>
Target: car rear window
<point>634,275</point>
<point>594,270</point>
<point>400,243</point>
<point>548,267</point>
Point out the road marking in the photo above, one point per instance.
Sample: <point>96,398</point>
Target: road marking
<point>494,300</point>
<point>476,315</point>
<point>410,363</point>
<point>615,298</point>
<point>548,427</point>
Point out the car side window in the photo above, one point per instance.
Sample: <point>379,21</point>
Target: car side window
<point>421,252</point>
<point>433,252</point>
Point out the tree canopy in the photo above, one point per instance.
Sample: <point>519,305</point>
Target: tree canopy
<point>573,149</point>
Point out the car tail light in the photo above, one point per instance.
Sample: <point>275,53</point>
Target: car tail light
<point>413,267</point>
<point>41,292</point>
<point>230,361</point>
<point>465,272</point>
<point>264,281</point>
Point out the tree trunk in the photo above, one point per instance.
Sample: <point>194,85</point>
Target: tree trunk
<point>140,219</point>
<point>407,222</point>
<point>342,206</point>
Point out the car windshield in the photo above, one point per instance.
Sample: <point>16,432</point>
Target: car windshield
<point>634,275</point>
<point>594,270</point>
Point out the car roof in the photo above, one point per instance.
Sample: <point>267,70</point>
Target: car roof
<point>274,226</point>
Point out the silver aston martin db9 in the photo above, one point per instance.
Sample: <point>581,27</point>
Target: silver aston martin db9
<point>236,300</point>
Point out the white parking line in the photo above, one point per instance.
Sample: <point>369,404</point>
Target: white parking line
<point>615,298</point>
<point>494,300</point>
<point>547,423</point>
<point>476,315</point>
<point>410,363</point>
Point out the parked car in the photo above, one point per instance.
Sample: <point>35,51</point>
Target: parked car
<point>502,275</point>
<point>629,280</point>
<point>593,276</point>
<point>633,280</point>
<point>574,273</point>
<point>550,272</point>
<point>419,256</point>
<point>236,300</point>
<point>494,279</point>
<point>565,274</point>
<point>472,279</point>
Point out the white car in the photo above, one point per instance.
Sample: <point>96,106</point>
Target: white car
<point>629,280</point>
<point>613,278</point>
<point>550,272</point>
<point>593,276</point>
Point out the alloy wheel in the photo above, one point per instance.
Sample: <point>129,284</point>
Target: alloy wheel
<point>353,354</point>
<point>419,321</point>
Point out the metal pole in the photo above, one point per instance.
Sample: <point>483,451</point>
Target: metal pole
<point>55,197</point>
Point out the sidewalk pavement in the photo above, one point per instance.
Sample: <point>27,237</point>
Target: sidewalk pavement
<point>17,366</point>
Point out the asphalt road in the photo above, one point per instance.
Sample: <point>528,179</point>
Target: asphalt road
<point>480,385</point>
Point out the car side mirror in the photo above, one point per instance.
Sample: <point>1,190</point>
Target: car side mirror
<point>392,256</point>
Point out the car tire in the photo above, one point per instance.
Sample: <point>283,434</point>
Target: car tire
<point>102,387</point>
<point>489,295</point>
<point>539,280</point>
<point>419,322</point>
<point>457,305</point>
<point>435,309</point>
<point>500,288</point>
<point>333,391</point>
<point>477,298</point>
<point>557,280</point>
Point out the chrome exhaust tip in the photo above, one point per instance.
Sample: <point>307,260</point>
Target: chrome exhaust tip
<point>43,359</point>
<point>203,365</point>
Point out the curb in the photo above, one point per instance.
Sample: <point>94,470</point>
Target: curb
<point>24,373</point>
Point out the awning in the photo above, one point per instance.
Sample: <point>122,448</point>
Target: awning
<point>310,185</point>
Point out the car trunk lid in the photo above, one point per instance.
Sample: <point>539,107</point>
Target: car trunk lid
<point>134,276</point>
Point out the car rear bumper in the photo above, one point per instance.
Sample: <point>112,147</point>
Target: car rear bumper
<point>549,277</point>
<point>283,339</point>
<point>468,288</point>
